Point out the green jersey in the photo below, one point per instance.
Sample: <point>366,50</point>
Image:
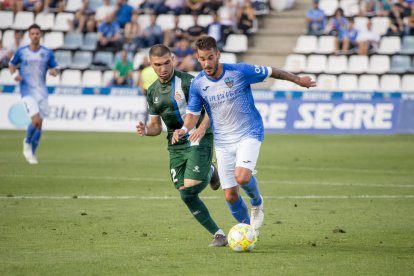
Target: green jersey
<point>169,100</point>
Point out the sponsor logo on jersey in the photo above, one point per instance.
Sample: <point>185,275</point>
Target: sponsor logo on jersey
<point>229,82</point>
<point>178,96</point>
<point>205,88</point>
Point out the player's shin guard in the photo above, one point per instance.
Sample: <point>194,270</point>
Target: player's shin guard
<point>198,208</point>
<point>252,190</point>
<point>29,133</point>
<point>35,139</point>
<point>239,211</point>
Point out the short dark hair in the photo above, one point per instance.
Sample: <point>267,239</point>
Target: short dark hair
<point>205,42</point>
<point>34,26</point>
<point>159,50</point>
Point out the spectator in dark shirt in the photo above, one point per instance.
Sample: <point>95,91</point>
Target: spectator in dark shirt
<point>109,33</point>
<point>218,31</point>
<point>337,23</point>
<point>154,6</point>
<point>245,17</point>
<point>171,36</point>
<point>396,19</point>
<point>346,39</point>
<point>151,35</point>
<point>196,30</point>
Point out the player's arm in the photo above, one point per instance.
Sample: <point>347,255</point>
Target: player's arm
<point>189,123</point>
<point>153,128</point>
<point>198,134</point>
<point>304,81</point>
<point>53,66</point>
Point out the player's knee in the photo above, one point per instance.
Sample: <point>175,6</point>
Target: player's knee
<point>188,195</point>
<point>242,179</point>
<point>231,195</point>
<point>37,122</point>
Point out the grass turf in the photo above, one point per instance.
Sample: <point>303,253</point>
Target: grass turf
<point>69,215</point>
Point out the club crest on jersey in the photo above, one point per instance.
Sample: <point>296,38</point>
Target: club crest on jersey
<point>229,82</point>
<point>156,100</point>
<point>178,96</point>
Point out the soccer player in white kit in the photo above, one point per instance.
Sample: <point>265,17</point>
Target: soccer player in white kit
<point>34,60</point>
<point>224,90</point>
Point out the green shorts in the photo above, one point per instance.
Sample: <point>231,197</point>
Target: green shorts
<point>190,163</point>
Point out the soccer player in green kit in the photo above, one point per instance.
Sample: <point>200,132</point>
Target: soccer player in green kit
<point>190,163</point>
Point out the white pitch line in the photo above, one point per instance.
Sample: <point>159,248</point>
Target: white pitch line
<point>150,179</point>
<point>276,167</point>
<point>208,197</point>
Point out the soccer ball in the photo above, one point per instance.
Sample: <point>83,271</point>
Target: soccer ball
<point>242,237</point>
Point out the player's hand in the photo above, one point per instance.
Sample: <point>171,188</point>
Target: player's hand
<point>141,129</point>
<point>178,133</point>
<point>306,81</point>
<point>18,78</point>
<point>53,72</point>
<point>197,135</point>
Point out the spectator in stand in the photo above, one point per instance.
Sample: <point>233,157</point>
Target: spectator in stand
<point>123,70</point>
<point>102,11</point>
<point>4,56</point>
<point>195,6</point>
<point>123,12</point>
<point>196,30</point>
<point>218,31</point>
<point>132,31</point>
<point>33,5</point>
<point>183,56</point>
<point>245,17</point>
<point>109,33</point>
<point>212,6</point>
<point>337,23</point>
<point>368,40</point>
<point>227,14</point>
<point>56,5</point>
<point>396,19</point>
<point>171,36</point>
<point>154,6</point>
<point>177,6</point>
<point>315,19</point>
<point>410,22</point>
<point>82,16</point>
<point>151,35</point>
<point>406,6</point>
<point>346,40</point>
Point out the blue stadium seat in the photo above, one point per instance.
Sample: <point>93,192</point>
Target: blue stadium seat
<point>407,45</point>
<point>90,42</point>
<point>103,60</point>
<point>72,41</point>
<point>81,60</point>
<point>400,64</point>
<point>63,58</point>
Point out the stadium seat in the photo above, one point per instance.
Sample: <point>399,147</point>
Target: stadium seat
<point>73,41</point>
<point>6,19</point>
<point>361,23</point>
<point>26,39</point>
<point>63,58</point>
<point>378,64</point>
<point>228,58</point>
<point>326,45</point>
<point>380,24</point>
<point>46,21</point>
<point>6,78</point>
<point>350,7</point>
<point>107,78</point>
<point>52,81</point>
<point>71,78</point>
<point>368,83</point>
<point>295,63</point>
<point>81,60</point>
<point>326,82</point>
<point>166,21</point>
<point>347,82</point>
<point>143,21</point>
<point>90,42</point>
<point>337,64</point>
<point>305,44</point>
<point>389,45</point>
<point>135,77</point>
<point>91,78</point>
<point>61,22</point>
<point>23,20</point>
<point>400,64</point>
<point>281,5</point>
<point>73,5</point>
<point>316,64</point>
<point>103,60</point>
<point>94,4</point>
<point>328,6</point>
<point>236,43</point>
<point>407,83</point>
<point>282,85</point>
<point>390,83</point>
<point>135,3</point>
<point>53,40</point>
<point>205,19</point>
<point>139,58</point>
<point>186,21</point>
<point>407,45</point>
<point>357,64</point>
<point>7,38</point>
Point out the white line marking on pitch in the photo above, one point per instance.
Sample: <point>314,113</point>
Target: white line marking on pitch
<point>288,182</point>
<point>208,197</point>
<point>275,167</point>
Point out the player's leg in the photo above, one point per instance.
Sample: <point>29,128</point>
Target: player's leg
<point>226,160</point>
<point>32,133</point>
<point>197,176</point>
<point>247,155</point>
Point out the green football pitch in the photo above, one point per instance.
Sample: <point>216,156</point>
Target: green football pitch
<point>103,204</point>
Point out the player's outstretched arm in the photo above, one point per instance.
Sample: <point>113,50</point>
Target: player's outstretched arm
<point>153,128</point>
<point>53,72</point>
<point>189,123</point>
<point>198,134</point>
<point>304,81</point>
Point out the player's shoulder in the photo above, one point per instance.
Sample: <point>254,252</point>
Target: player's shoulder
<point>183,75</point>
<point>152,88</point>
<point>22,49</point>
<point>45,49</point>
<point>235,66</point>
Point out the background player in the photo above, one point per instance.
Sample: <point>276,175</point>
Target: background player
<point>34,61</point>
<point>190,164</point>
<point>224,90</point>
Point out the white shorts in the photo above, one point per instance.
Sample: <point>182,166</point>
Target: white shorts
<point>34,107</point>
<point>243,154</point>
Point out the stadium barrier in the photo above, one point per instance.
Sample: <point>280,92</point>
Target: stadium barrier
<point>119,109</point>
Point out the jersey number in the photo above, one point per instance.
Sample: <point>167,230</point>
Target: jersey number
<point>173,175</point>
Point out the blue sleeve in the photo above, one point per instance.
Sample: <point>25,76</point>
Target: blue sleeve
<point>195,102</point>
<point>16,59</point>
<point>52,61</point>
<point>254,73</point>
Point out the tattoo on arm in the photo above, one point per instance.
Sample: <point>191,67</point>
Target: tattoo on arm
<point>283,75</point>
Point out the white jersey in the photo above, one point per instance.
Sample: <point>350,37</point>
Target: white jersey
<point>33,68</point>
<point>229,102</point>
